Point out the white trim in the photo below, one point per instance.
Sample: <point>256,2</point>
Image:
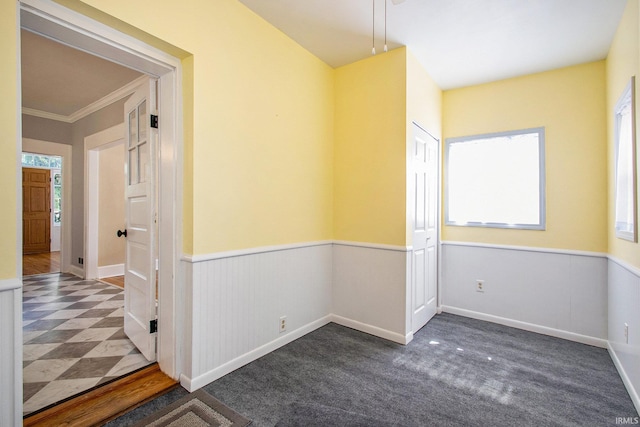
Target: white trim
<point>584,339</point>
<point>93,144</point>
<point>192,384</point>
<point>55,21</point>
<point>45,115</point>
<point>276,248</point>
<point>252,251</point>
<point>109,99</point>
<point>633,394</point>
<point>526,249</point>
<point>107,136</point>
<point>372,330</point>
<point>66,152</point>
<point>625,265</point>
<point>110,270</point>
<point>106,100</point>
<point>374,246</point>
<point>76,271</point>
<point>18,207</point>
<point>10,284</point>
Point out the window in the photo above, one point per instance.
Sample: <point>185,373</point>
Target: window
<point>57,198</point>
<point>625,179</point>
<point>496,180</point>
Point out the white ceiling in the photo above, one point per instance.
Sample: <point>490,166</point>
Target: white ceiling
<point>458,42</point>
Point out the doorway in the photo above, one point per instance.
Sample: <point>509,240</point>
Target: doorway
<point>40,247</point>
<point>36,210</point>
<point>59,259</point>
<point>56,22</point>
<point>104,203</point>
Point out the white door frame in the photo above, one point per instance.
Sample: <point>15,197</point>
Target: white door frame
<point>69,27</point>
<point>93,144</point>
<point>64,151</point>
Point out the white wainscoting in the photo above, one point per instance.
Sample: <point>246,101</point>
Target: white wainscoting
<point>370,289</point>
<point>234,301</point>
<point>624,307</point>
<point>112,270</point>
<point>11,352</point>
<point>554,292</point>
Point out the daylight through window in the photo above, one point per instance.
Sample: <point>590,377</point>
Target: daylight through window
<point>625,201</point>
<point>496,180</point>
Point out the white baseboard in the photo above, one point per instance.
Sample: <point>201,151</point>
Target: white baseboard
<point>76,271</point>
<point>111,270</point>
<point>192,384</point>
<point>625,378</point>
<point>372,330</point>
<point>571,336</point>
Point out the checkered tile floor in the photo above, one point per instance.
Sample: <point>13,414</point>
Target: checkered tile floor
<point>73,338</point>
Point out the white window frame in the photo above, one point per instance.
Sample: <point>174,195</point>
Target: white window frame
<point>542,186</point>
<point>626,229</point>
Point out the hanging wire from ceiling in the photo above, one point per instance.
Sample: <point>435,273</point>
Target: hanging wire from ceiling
<point>373,28</point>
<point>385,25</point>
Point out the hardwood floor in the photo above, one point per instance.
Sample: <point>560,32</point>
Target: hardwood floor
<point>48,262</point>
<point>107,402</point>
<point>115,280</point>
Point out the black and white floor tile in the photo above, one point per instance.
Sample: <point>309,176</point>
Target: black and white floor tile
<point>74,340</point>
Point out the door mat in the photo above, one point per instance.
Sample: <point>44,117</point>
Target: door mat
<point>197,409</point>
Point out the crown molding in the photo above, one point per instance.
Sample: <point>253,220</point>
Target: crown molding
<point>45,115</point>
<point>114,96</point>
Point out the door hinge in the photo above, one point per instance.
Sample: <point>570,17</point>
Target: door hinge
<point>154,121</point>
<point>153,326</point>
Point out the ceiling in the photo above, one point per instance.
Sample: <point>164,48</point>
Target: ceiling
<point>458,42</point>
<point>60,81</point>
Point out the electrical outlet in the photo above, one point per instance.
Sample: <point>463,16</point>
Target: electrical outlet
<point>283,324</point>
<point>80,260</point>
<point>626,333</point>
<point>479,285</point>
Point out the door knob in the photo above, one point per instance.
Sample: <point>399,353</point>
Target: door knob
<point>122,233</point>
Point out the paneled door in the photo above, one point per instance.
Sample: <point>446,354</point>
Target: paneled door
<point>424,170</point>
<point>140,211</point>
<point>36,211</point>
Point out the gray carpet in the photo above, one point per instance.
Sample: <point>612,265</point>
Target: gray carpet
<point>456,372</point>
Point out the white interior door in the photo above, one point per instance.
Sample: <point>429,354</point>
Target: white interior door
<point>424,277</point>
<point>140,269</point>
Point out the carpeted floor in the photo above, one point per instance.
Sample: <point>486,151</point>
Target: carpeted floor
<point>456,372</point>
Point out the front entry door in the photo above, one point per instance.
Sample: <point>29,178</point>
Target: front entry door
<point>425,173</point>
<point>140,211</point>
<point>36,211</point>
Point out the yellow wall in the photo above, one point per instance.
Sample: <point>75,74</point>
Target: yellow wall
<point>424,106</point>
<point>9,131</point>
<point>370,159</point>
<point>260,118</point>
<point>622,63</point>
<point>570,104</point>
